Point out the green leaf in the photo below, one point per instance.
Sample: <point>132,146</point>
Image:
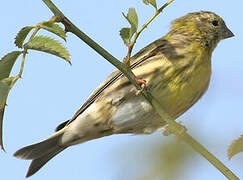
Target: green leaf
<point>5,85</point>
<point>152,2</point>
<point>132,18</point>
<point>125,35</point>
<point>54,28</point>
<point>7,63</point>
<point>146,2</point>
<point>48,45</point>
<point>236,147</point>
<point>4,88</point>
<point>22,34</point>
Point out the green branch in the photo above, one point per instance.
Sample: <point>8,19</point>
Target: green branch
<point>174,127</point>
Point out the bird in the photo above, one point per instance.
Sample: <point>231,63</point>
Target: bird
<point>177,71</point>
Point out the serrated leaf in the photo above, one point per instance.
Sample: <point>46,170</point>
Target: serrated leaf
<point>236,147</point>
<point>22,34</point>
<point>152,2</point>
<point>7,62</point>
<point>54,28</point>
<point>4,90</point>
<point>48,45</point>
<point>132,18</point>
<point>125,35</point>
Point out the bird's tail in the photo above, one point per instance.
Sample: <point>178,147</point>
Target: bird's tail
<point>41,152</point>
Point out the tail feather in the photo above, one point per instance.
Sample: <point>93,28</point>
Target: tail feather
<point>41,152</point>
<point>37,150</point>
<point>38,163</point>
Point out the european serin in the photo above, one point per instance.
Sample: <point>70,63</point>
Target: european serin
<point>177,69</point>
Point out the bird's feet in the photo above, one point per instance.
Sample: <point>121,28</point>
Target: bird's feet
<point>140,82</point>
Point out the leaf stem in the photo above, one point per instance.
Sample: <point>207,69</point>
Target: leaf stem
<point>176,128</point>
<point>37,28</point>
<point>22,64</point>
<point>20,71</point>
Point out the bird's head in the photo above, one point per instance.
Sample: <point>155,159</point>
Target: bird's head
<point>203,26</point>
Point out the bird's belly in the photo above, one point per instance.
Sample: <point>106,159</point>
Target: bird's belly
<point>136,116</point>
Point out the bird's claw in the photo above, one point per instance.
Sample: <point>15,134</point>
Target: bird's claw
<point>142,83</point>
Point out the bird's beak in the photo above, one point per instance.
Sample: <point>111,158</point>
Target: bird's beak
<point>227,33</point>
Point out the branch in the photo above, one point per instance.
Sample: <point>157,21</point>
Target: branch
<point>176,128</point>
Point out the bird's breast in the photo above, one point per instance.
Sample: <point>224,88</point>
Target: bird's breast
<point>185,85</point>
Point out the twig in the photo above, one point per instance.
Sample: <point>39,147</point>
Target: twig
<point>131,45</point>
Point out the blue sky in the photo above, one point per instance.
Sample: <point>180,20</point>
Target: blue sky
<point>51,91</point>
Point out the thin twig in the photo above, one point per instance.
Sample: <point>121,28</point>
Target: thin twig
<point>131,45</point>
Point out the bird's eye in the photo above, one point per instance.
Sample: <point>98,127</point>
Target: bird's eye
<point>215,22</point>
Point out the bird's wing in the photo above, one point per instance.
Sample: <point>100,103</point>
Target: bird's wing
<point>136,60</point>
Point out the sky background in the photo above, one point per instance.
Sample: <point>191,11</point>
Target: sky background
<point>51,91</point>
